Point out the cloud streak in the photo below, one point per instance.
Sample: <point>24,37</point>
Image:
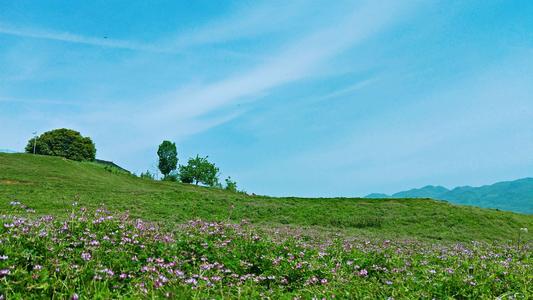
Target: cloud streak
<point>48,102</point>
<point>347,90</point>
<point>244,23</point>
<point>78,39</point>
<point>294,62</point>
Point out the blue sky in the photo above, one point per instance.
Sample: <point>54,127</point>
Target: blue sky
<point>306,98</point>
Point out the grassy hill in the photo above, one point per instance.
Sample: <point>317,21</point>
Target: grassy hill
<point>399,248</point>
<point>50,185</point>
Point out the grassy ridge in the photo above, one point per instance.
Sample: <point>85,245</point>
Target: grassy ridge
<point>50,185</point>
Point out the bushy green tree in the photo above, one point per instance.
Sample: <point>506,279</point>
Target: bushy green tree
<point>168,157</point>
<point>199,170</point>
<point>63,142</point>
<point>231,185</point>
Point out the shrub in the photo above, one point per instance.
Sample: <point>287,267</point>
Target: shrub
<point>114,170</point>
<point>171,177</point>
<point>147,175</point>
<point>231,185</point>
<point>65,143</point>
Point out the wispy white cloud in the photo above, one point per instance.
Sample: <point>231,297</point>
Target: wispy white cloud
<point>347,90</point>
<point>245,22</point>
<point>296,61</point>
<point>4,99</point>
<point>68,37</point>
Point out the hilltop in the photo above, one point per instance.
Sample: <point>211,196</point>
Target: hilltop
<point>50,185</point>
<point>514,195</point>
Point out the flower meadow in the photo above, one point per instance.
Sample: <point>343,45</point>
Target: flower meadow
<point>96,254</point>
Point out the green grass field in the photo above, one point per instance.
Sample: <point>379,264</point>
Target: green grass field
<point>50,185</point>
<point>71,230</point>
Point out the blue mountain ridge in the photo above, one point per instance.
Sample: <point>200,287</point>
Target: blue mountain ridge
<point>516,195</point>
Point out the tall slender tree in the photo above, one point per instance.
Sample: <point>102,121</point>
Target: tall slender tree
<point>168,157</point>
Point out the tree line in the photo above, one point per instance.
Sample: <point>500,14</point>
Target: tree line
<point>198,170</point>
<point>72,145</point>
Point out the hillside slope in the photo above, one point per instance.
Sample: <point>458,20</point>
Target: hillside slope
<point>50,185</point>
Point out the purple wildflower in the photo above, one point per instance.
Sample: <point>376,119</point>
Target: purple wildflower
<point>86,256</point>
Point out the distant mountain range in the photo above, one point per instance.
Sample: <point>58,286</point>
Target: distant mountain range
<point>514,195</point>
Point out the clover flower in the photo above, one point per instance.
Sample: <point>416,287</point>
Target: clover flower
<point>86,256</point>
